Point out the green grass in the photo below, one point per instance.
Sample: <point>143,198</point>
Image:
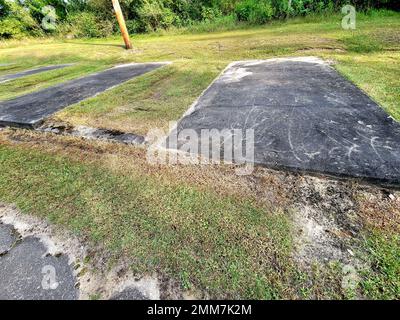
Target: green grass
<point>382,279</point>
<point>369,56</point>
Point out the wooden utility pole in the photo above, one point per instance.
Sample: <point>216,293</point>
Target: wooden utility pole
<point>122,25</point>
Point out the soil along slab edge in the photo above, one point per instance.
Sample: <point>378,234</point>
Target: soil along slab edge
<point>305,117</point>
<point>30,110</point>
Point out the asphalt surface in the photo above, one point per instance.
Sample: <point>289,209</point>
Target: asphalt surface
<point>29,72</point>
<point>30,110</point>
<point>28,272</point>
<point>305,116</point>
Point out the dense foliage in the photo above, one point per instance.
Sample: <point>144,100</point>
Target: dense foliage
<point>94,18</point>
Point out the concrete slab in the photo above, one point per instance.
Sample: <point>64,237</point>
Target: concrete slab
<point>30,110</point>
<point>27,274</point>
<point>305,116</point>
<point>25,73</point>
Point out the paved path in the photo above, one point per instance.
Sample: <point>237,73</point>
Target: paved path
<point>30,110</point>
<point>25,73</point>
<point>26,270</point>
<point>305,116</point>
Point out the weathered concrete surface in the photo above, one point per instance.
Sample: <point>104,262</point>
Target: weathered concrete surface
<point>23,270</point>
<point>30,110</point>
<point>29,72</point>
<point>305,116</point>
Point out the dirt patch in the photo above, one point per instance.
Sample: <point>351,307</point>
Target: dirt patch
<point>91,133</point>
<point>326,221</point>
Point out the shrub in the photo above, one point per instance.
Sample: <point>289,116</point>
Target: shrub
<point>18,22</point>
<point>11,28</point>
<point>210,14</point>
<point>154,15</point>
<point>4,8</point>
<point>134,26</point>
<point>254,11</point>
<point>87,25</point>
<point>221,23</point>
<point>282,8</point>
<point>35,8</point>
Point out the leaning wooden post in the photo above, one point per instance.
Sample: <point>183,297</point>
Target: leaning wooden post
<point>122,25</point>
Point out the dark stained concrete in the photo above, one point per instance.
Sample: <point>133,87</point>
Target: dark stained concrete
<point>305,116</point>
<point>23,270</point>
<point>25,73</point>
<point>30,110</point>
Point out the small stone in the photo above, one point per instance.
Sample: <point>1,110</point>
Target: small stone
<point>350,252</point>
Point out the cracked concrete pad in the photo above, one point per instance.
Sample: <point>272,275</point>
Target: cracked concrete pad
<point>31,109</point>
<point>25,73</point>
<point>305,117</point>
<point>7,237</point>
<point>27,274</point>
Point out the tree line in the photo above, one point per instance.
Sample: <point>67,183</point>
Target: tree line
<point>94,18</point>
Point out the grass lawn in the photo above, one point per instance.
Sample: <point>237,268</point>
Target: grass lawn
<point>203,226</point>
